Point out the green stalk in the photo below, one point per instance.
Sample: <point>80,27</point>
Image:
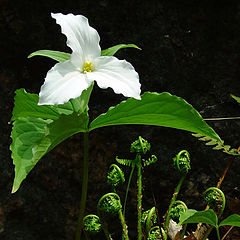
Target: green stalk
<point>84,189</point>
<point>128,185</point>
<point>218,234</point>
<point>174,197</point>
<point>139,197</point>
<point>124,225</point>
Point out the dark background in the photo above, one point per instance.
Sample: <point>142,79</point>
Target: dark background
<point>189,48</point>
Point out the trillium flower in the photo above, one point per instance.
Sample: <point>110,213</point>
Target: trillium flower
<point>68,79</point>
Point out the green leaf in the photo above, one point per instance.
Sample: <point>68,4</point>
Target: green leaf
<point>233,220</point>
<point>235,97</point>
<point>26,104</point>
<point>55,55</point>
<point>33,137</point>
<point>112,50</point>
<point>193,216</point>
<point>156,109</point>
<point>62,56</point>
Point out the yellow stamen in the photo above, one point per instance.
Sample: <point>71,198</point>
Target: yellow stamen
<point>87,67</point>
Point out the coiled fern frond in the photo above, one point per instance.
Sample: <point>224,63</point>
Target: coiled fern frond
<point>140,146</point>
<point>149,218</point>
<point>154,234</point>
<point>115,176</point>
<point>182,161</point>
<point>149,161</point>
<point>109,204</point>
<point>91,224</point>
<point>215,199</point>
<point>177,209</point>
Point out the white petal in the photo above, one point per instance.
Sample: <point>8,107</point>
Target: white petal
<point>81,38</point>
<point>116,74</point>
<point>62,83</point>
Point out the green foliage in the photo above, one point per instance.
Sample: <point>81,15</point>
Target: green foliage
<point>158,109</point>
<point>214,199</point>
<point>149,218</point>
<point>112,50</point>
<point>153,159</point>
<point>177,209</point>
<point>233,220</point>
<point>208,217</point>
<point>38,129</point>
<point>33,137</point>
<point>155,234</point>
<point>125,162</point>
<point>140,146</point>
<point>55,55</point>
<point>62,56</point>
<point>194,216</point>
<point>109,204</point>
<point>91,224</point>
<point>115,176</point>
<point>217,145</point>
<point>182,162</point>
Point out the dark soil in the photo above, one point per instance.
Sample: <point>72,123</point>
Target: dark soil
<point>189,48</point>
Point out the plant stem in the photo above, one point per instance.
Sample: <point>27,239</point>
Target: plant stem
<point>173,201</point>
<point>84,189</point>
<point>139,204</point>
<point>128,185</point>
<point>218,234</point>
<point>124,225</point>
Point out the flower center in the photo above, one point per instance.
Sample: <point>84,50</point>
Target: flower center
<point>87,67</point>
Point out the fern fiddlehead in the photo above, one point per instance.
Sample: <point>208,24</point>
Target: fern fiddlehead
<point>177,209</point>
<point>154,234</point>
<point>110,204</point>
<point>215,199</point>
<point>115,176</point>
<point>149,218</point>
<point>91,225</point>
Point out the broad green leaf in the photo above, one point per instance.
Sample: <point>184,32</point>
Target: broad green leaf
<point>193,216</point>
<point>236,98</point>
<point>156,109</point>
<point>33,137</point>
<point>112,50</point>
<point>55,55</point>
<point>26,105</point>
<point>233,220</point>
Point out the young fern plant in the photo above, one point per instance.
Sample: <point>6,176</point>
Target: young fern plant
<point>182,163</point>
<point>178,208</point>
<point>216,201</point>
<point>149,218</point>
<point>140,147</point>
<point>110,204</point>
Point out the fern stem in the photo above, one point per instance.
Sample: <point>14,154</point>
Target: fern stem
<point>128,185</point>
<point>139,197</point>
<point>84,189</point>
<point>124,225</point>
